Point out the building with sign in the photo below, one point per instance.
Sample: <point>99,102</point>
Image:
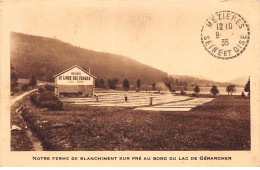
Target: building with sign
<point>75,81</point>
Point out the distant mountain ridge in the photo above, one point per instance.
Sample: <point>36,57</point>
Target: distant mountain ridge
<point>45,57</point>
<point>206,83</point>
<point>241,81</point>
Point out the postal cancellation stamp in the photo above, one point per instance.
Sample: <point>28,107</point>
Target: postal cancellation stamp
<point>225,35</point>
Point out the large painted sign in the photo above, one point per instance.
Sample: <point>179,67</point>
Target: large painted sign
<point>75,76</point>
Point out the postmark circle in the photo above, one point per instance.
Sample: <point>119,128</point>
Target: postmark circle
<point>225,35</point>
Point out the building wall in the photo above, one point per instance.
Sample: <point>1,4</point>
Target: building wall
<point>74,81</point>
<point>75,76</point>
<point>84,89</point>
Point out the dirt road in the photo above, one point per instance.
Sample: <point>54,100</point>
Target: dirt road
<point>23,127</point>
<point>17,98</point>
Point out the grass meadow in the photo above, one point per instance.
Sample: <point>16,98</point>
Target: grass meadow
<point>222,124</point>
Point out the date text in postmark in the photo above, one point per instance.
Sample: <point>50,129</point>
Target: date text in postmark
<point>225,35</point>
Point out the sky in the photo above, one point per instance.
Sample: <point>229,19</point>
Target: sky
<point>163,34</point>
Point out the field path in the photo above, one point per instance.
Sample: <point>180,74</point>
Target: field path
<point>17,98</point>
<point>36,142</point>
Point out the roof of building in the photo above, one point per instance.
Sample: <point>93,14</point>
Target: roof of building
<point>74,67</point>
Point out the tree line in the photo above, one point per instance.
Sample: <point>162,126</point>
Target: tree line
<point>15,84</point>
<point>112,83</point>
<point>229,89</point>
<point>170,85</point>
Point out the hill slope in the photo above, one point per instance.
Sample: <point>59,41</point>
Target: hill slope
<point>241,81</point>
<point>192,81</point>
<point>45,57</point>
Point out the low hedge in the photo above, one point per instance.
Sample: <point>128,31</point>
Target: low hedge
<point>49,87</point>
<point>46,99</point>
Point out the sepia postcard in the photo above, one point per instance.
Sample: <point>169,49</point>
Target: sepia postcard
<point>130,83</point>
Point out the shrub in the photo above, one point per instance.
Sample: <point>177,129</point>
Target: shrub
<point>49,87</point>
<point>52,105</point>
<point>24,87</point>
<point>15,89</point>
<point>34,99</point>
<point>41,89</point>
<point>47,95</point>
<point>80,93</point>
<point>183,92</point>
<point>32,81</point>
<point>193,95</point>
<point>46,99</point>
<point>197,89</point>
<point>243,95</point>
<point>112,83</point>
<point>153,86</point>
<point>214,90</point>
<point>230,89</point>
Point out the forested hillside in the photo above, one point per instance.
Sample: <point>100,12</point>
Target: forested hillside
<point>45,57</point>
